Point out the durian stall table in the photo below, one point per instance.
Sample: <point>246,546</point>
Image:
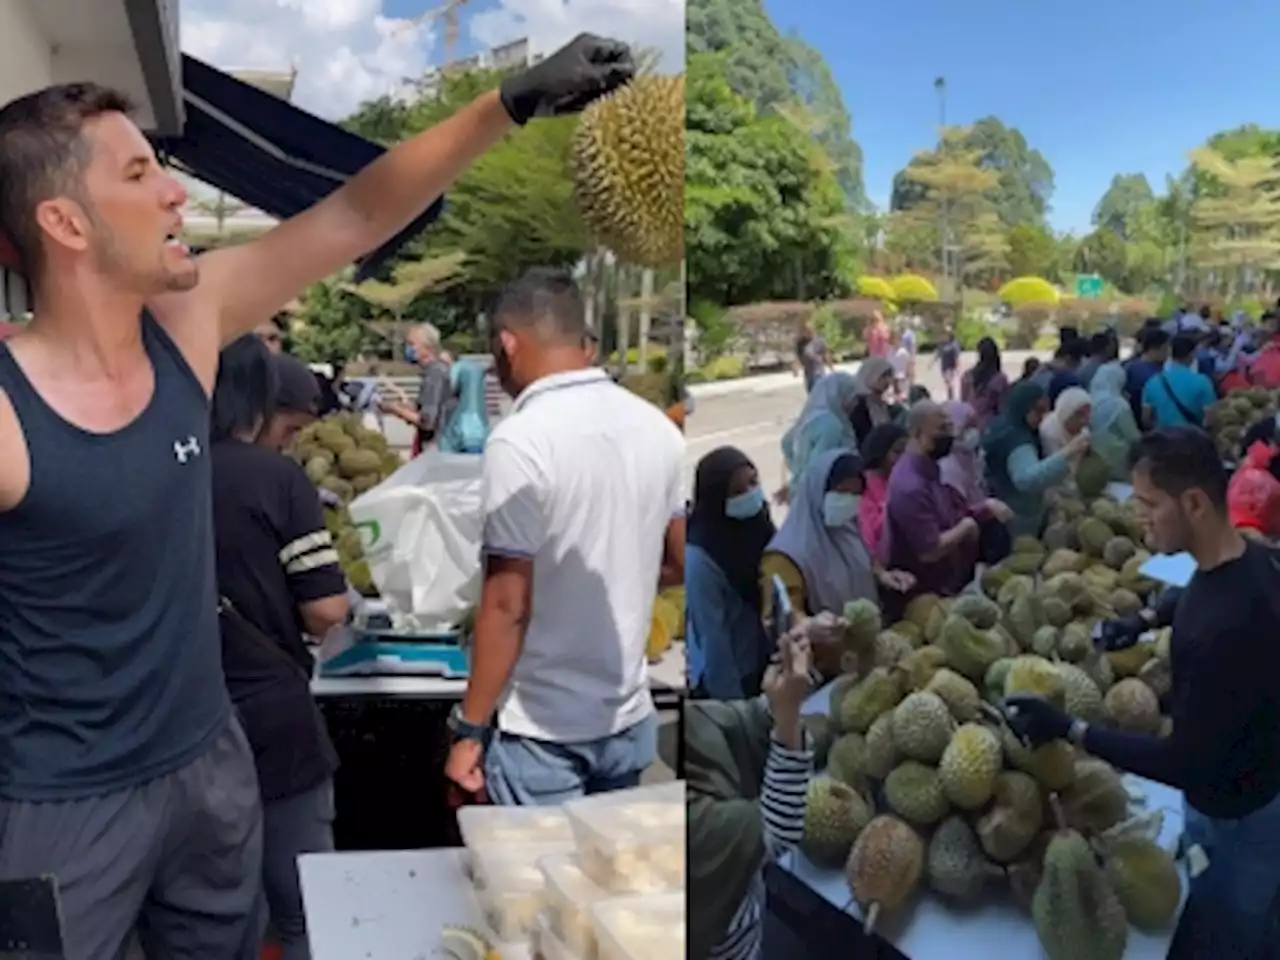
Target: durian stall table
<point>389,732</point>
<point>385,906</point>
<point>814,908</point>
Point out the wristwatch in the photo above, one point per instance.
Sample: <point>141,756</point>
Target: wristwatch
<point>460,729</point>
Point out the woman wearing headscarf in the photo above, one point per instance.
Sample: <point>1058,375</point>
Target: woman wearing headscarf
<point>874,381</point>
<point>818,553</point>
<point>880,452</point>
<point>984,386</point>
<point>747,767</point>
<point>1112,429</point>
<point>823,423</point>
<point>962,469</point>
<point>728,529</point>
<point>1071,413</point>
<point>1018,472</point>
<point>468,428</point>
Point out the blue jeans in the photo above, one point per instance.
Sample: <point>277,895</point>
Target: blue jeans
<point>1231,911</point>
<point>521,772</point>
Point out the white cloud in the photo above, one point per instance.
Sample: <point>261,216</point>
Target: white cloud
<point>348,51</point>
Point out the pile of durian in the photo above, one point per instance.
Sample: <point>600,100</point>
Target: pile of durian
<point>926,785</point>
<point>627,167</point>
<point>343,456</point>
<point>1229,419</point>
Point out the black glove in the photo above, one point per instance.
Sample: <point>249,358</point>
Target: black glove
<point>568,80</point>
<point>1120,634</point>
<point>1035,720</point>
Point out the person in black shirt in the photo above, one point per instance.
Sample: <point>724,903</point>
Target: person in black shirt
<point>1224,750</point>
<point>297,403</point>
<point>279,578</point>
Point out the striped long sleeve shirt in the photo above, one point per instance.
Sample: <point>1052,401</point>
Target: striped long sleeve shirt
<point>782,794</point>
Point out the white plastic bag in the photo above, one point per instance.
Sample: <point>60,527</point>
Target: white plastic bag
<point>421,531</point>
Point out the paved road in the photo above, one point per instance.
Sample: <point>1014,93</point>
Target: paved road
<point>754,413</point>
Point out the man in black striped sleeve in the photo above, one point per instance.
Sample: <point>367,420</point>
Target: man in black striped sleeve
<point>278,568</point>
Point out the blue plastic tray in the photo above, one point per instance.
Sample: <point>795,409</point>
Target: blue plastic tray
<point>435,655</point>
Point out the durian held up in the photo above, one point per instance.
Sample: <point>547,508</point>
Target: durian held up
<point>627,167</point>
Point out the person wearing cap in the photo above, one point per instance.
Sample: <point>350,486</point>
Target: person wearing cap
<point>297,403</point>
<point>280,582</point>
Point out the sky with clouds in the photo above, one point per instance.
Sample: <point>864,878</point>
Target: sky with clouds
<point>349,51</point>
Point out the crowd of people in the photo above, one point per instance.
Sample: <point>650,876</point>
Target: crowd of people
<point>886,501</point>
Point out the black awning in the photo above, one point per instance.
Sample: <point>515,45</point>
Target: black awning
<point>268,153</point>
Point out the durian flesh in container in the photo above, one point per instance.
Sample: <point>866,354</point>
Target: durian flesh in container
<point>645,927</point>
<point>632,841</point>
<point>570,894</point>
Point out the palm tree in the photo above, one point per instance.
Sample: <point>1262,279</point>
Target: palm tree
<point>409,280</point>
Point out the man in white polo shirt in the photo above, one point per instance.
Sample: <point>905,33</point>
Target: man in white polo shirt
<point>584,509</point>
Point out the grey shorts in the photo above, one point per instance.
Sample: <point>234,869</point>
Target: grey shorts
<point>179,858</point>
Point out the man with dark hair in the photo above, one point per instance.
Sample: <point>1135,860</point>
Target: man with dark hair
<point>1062,371</point>
<point>297,403</point>
<point>1104,347</point>
<point>583,503</point>
<point>1224,750</point>
<point>126,775</point>
<point>1154,346</point>
<point>1178,395</point>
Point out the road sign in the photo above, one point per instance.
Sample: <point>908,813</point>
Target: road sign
<point>1089,286</point>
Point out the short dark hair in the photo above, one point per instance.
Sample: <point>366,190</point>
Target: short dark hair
<point>1263,430</point>
<point>244,395</point>
<point>1153,338</point>
<point>1205,313</point>
<point>1100,343</point>
<point>1178,459</point>
<point>43,154</point>
<point>545,301</point>
<point>1076,349</point>
<point>1182,347</point>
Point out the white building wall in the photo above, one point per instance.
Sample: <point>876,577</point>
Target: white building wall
<point>26,56</point>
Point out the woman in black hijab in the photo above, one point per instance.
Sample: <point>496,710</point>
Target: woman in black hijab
<point>728,529</point>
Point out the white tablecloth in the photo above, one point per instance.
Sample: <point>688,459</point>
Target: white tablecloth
<point>385,906</point>
<point>929,929</point>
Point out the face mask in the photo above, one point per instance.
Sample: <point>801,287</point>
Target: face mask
<point>942,446</point>
<point>839,508</point>
<point>971,438</point>
<point>410,354</point>
<point>745,505</point>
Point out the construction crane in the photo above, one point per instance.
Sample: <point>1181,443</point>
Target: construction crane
<point>447,14</point>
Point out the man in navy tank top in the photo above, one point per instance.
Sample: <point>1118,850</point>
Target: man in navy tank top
<point>123,773</point>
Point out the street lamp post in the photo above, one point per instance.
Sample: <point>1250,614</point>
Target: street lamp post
<point>940,87</point>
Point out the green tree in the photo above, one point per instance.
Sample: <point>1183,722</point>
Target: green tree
<point>1024,179</point>
<point>513,209</point>
<point>1033,251</point>
<point>1103,253</point>
<point>762,215</point>
<point>1122,205</point>
<point>1238,227</point>
<point>957,190</point>
<point>815,88</point>
<point>330,326</point>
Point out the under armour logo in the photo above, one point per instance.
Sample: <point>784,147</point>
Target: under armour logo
<point>182,452</point>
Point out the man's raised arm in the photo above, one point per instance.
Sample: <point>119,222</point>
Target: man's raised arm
<point>249,283</point>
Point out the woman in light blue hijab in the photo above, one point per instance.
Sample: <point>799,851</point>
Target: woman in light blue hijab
<point>823,424</point>
<point>468,429</point>
<point>1112,429</point>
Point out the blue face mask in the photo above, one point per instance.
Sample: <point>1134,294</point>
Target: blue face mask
<point>745,505</point>
<point>410,354</point>
<point>838,508</point>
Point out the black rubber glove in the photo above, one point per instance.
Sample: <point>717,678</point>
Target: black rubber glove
<point>1121,634</point>
<point>584,70</point>
<point>1035,720</point>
